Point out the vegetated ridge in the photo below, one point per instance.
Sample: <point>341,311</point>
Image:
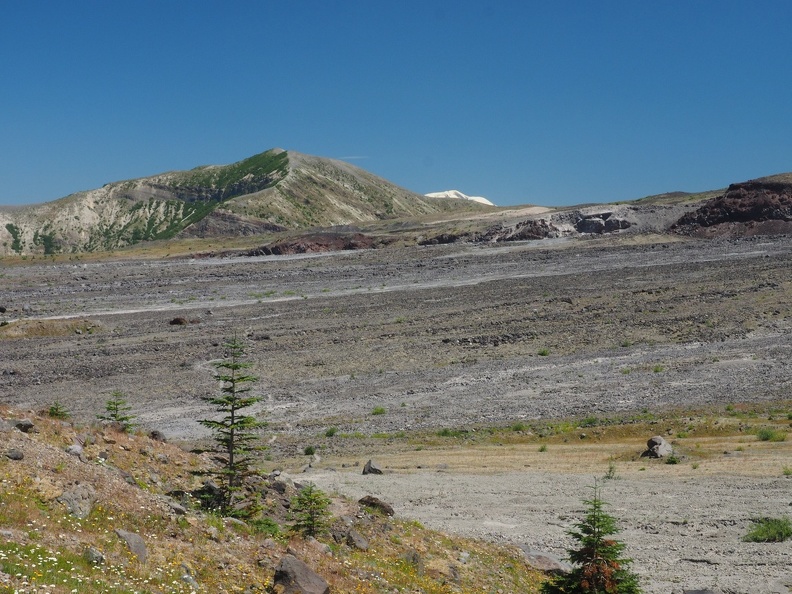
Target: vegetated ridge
<point>271,191</point>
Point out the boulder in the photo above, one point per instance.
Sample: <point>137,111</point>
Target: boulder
<point>356,540</point>
<point>292,576</point>
<point>545,562</point>
<point>134,543</point>
<point>372,467</point>
<point>157,435</point>
<point>376,503</point>
<point>79,500</point>
<point>24,425</point>
<point>94,556</point>
<point>75,450</point>
<point>14,454</point>
<point>657,447</point>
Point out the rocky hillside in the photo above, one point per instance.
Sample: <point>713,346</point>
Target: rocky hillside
<point>271,191</point>
<point>94,509</point>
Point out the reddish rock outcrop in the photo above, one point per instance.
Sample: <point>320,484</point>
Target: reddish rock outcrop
<point>757,207</point>
<point>317,242</point>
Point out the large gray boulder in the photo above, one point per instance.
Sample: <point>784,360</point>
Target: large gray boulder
<point>79,500</point>
<point>295,577</point>
<point>134,543</point>
<point>657,447</point>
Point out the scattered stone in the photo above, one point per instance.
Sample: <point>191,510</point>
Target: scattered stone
<point>79,500</point>
<point>14,454</point>
<point>158,436</point>
<point>134,543</point>
<point>190,581</point>
<point>320,547</point>
<point>376,503</point>
<point>75,450</point>
<point>94,556</point>
<point>372,467</point>
<point>356,540</point>
<point>657,447</point>
<point>177,509</point>
<point>295,577</point>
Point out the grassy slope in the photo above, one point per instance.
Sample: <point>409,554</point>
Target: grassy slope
<point>41,544</point>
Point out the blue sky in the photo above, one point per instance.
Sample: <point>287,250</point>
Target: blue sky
<point>522,102</point>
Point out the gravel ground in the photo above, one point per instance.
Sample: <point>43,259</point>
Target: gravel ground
<point>445,336</point>
<point>682,533</point>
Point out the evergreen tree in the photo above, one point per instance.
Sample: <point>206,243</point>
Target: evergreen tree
<point>598,565</point>
<point>236,433</point>
<point>116,411</point>
<point>309,510</point>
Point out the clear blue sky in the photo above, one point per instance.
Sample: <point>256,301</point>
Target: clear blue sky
<point>547,102</point>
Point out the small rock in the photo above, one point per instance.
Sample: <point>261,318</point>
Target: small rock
<point>75,450</point>
<point>178,322</point>
<point>177,509</point>
<point>158,436</point>
<point>356,540</point>
<point>376,503</point>
<point>14,454</point>
<point>94,556</point>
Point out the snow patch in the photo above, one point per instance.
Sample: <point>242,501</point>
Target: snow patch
<point>460,196</point>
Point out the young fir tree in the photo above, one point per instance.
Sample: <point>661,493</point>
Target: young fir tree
<point>116,411</point>
<point>309,510</point>
<point>598,565</point>
<point>236,433</point>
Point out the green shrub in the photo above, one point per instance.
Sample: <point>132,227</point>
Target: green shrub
<point>543,447</point>
<point>58,411</point>
<point>309,451</point>
<point>672,460</point>
<point>543,352</point>
<point>331,431</point>
<point>767,434</point>
<point>378,410</point>
<point>770,530</point>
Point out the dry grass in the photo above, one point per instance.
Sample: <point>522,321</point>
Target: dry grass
<point>48,328</point>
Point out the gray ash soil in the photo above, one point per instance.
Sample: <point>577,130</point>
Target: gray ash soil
<point>443,336</point>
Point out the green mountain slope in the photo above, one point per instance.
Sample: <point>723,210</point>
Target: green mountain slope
<point>270,191</point>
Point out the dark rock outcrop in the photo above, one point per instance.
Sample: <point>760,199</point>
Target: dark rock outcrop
<point>317,242</point>
<point>756,207</point>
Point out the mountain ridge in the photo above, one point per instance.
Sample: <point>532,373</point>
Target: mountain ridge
<point>271,191</point>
